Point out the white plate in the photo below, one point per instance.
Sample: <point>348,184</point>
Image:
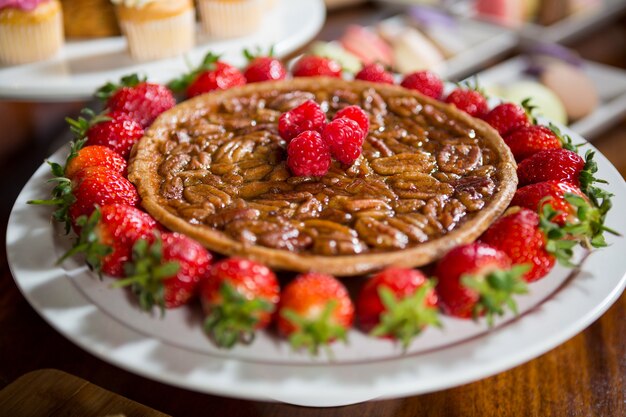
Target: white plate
<point>173,350</point>
<point>610,83</point>
<point>83,66</point>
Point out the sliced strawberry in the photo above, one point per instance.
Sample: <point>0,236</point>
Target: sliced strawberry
<point>397,303</point>
<point>476,279</point>
<point>314,310</point>
<point>239,297</point>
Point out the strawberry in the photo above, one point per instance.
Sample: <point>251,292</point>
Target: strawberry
<point>307,116</point>
<point>572,210</point>
<point>239,297</point>
<point>507,117</point>
<point>89,187</point>
<point>314,66</point>
<point>528,238</point>
<point>141,100</point>
<point>471,101</point>
<point>92,156</point>
<point>119,133</point>
<point>263,68</point>
<point>397,303</point>
<point>108,235</point>
<point>426,82</point>
<point>476,279</point>
<point>528,140</point>
<point>167,272</point>
<point>98,186</point>
<point>115,130</point>
<point>376,73</point>
<point>212,74</point>
<point>314,310</point>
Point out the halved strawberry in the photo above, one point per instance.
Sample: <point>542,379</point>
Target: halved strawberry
<point>476,279</point>
<point>239,297</point>
<point>397,303</point>
<point>167,272</point>
<point>314,310</point>
<point>107,237</point>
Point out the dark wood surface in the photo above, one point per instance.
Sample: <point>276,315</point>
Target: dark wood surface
<point>585,376</point>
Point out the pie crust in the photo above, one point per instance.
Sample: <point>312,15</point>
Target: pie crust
<point>430,178</point>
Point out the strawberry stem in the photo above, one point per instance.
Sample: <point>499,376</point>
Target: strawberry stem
<point>557,242</point>
<point>496,290</point>
<point>404,319</point>
<point>146,273</point>
<point>89,243</point>
<point>311,333</point>
<point>234,319</point>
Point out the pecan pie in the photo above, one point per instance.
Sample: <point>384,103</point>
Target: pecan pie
<point>429,178</point>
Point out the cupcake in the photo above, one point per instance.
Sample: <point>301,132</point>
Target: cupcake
<point>156,29</point>
<point>89,19</point>
<point>30,30</point>
<point>231,18</point>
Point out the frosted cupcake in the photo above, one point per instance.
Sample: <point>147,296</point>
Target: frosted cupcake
<point>30,30</point>
<point>231,18</point>
<point>156,29</point>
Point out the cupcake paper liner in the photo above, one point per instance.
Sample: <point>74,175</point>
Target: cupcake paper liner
<point>230,19</point>
<point>163,38</point>
<point>24,43</point>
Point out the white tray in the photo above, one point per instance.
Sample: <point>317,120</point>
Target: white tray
<point>83,66</point>
<point>610,83</point>
<point>173,350</point>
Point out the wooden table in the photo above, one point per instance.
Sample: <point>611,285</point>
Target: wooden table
<point>583,377</point>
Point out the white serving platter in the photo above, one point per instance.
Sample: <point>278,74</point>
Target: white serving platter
<point>105,322</point>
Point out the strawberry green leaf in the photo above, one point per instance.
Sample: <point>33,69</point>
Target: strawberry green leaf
<point>234,318</point>
<point>404,319</point>
<point>146,273</point>
<point>496,290</point>
<point>107,90</point>
<point>529,108</point>
<point>313,333</point>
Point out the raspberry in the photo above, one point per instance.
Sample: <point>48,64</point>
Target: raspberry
<point>376,73</point>
<point>313,66</point>
<point>507,117</point>
<point>345,139</point>
<point>358,115</point>
<point>308,155</point>
<point>470,101</point>
<point>307,116</point>
<point>425,82</point>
